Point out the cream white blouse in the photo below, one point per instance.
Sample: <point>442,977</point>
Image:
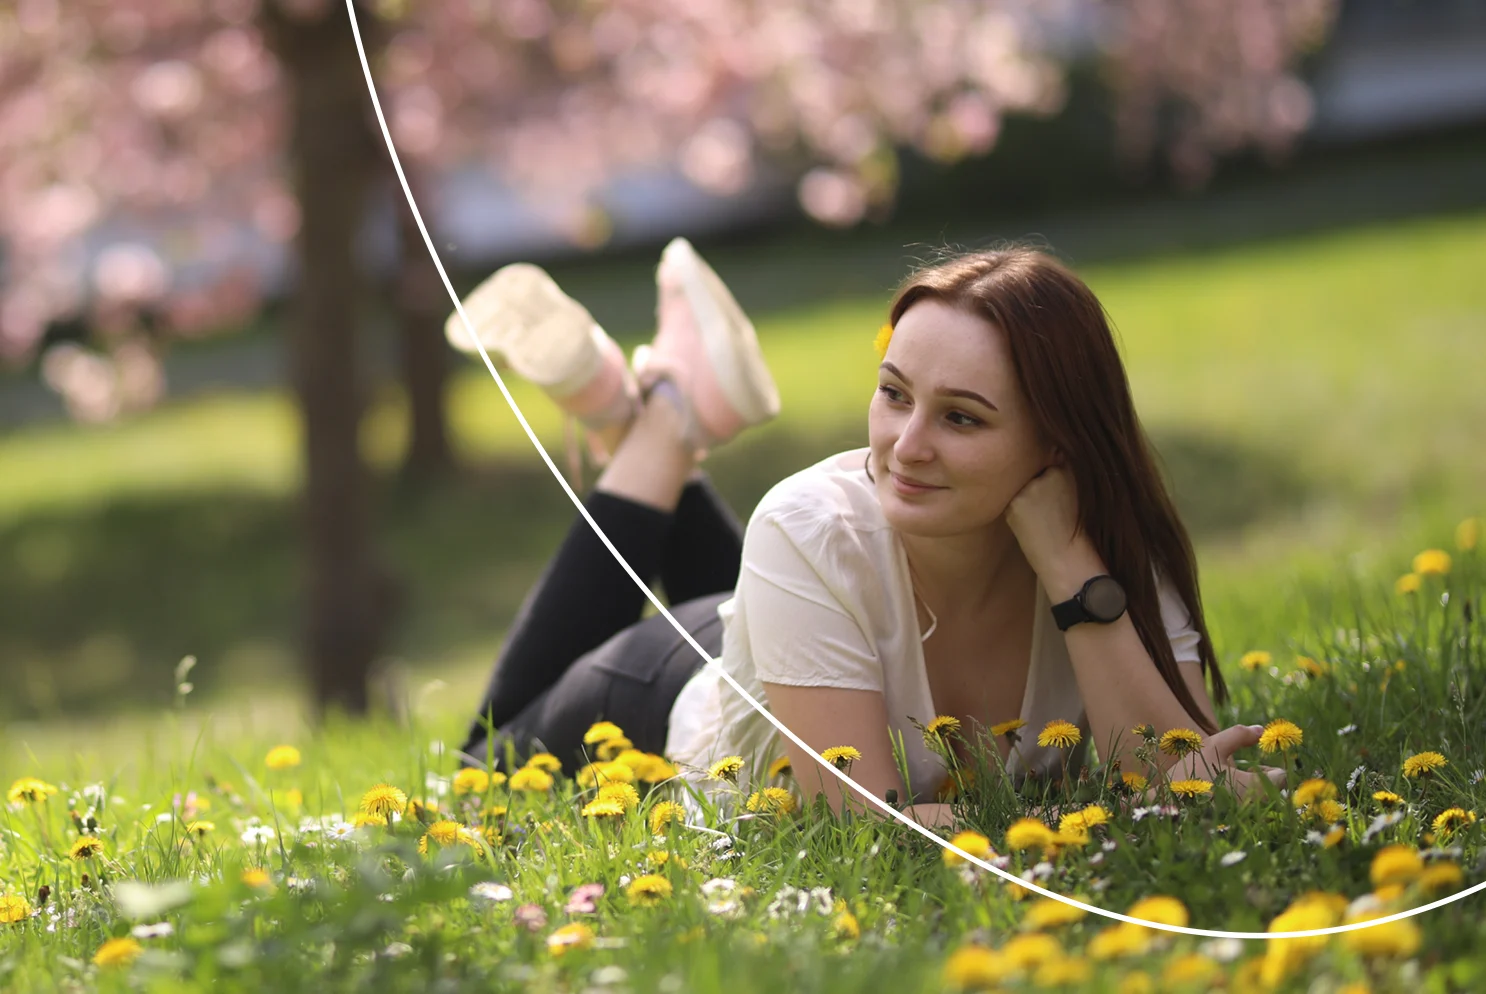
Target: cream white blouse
<point>824,599</point>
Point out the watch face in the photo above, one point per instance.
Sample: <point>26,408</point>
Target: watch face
<point>1105,598</point>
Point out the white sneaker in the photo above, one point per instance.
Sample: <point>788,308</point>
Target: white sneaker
<point>527,323</point>
<point>707,346</point>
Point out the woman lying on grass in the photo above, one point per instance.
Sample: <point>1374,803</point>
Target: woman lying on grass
<point>1003,548</point>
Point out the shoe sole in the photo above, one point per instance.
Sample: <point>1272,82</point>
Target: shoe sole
<point>520,314</point>
<point>728,336</point>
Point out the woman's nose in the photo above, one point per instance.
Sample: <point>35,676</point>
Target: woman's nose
<point>913,442</point>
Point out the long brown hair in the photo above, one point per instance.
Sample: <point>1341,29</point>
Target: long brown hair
<point>1065,358</point>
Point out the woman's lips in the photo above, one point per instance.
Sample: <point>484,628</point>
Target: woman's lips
<point>906,486</point>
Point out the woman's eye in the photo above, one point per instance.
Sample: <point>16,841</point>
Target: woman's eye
<point>891,393</point>
<point>967,423</point>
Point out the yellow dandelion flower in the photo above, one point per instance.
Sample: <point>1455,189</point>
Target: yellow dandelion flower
<point>653,769</point>
<point>973,968</point>
<point>1387,798</point>
<point>601,731</point>
<point>574,935</point>
<point>845,927</point>
<point>1161,909</point>
<point>1030,950</point>
<point>1007,727</point>
<point>1468,534</point>
<point>200,828</point>
<point>1071,971</point>
<point>1395,864</point>
<point>773,800</point>
<point>420,809</point>
<point>117,952</point>
<point>780,767</point>
<point>1438,876</point>
<point>1145,730</point>
<point>362,819</point>
<point>256,877</point>
<point>442,833</point>
<point>29,790</point>
<point>942,726</point>
<point>1190,969</point>
<point>603,807</point>
<point>1257,659</point>
<point>648,889</point>
<point>880,342</point>
<point>1279,735</point>
<point>1422,764</point>
<point>530,778</point>
<point>661,858</point>
<point>382,800</point>
<point>1191,788</point>
<point>1409,583</point>
<point>1119,941</point>
<point>1027,833</point>
<point>663,814</point>
<point>726,768</point>
<point>1059,734</point>
<point>470,781</point>
<point>624,793</point>
<point>840,757</point>
<point>1390,940</point>
<point>497,778</point>
<point>1328,811</point>
<point>605,771</point>
<point>1452,818</point>
<point>973,843</point>
<point>545,761</point>
<point>282,757</point>
<point>1133,782</point>
<point>1312,667</point>
<point>1432,562</point>
<point>86,848</point>
<point>1311,791</point>
<point>1179,742</point>
<point>1047,913</point>
<point>1076,822</point>
<point>611,748</point>
<point>13,909</point>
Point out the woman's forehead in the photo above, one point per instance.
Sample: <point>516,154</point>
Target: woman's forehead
<point>950,348</point>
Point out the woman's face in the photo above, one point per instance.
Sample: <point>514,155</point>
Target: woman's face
<point>949,415</point>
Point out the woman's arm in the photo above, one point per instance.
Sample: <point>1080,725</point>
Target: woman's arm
<point>832,716</point>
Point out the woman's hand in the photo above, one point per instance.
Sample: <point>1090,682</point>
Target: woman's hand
<point>1216,756</point>
<point>1044,517</point>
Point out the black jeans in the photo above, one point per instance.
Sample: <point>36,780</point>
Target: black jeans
<point>579,652</point>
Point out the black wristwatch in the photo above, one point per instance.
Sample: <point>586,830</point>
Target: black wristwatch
<point>1101,600</point>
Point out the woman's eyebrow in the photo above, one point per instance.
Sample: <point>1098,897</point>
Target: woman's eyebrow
<point>947,391</point>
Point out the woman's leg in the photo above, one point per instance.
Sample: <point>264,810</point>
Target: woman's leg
<point>584,596</point>
<point>704,548</point>
<point>632,680</point>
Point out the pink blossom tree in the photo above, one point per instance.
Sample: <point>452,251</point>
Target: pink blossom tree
<point>187,125</point>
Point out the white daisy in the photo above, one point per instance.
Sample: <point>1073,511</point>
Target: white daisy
<point>1236,856</point>
<point>254,834</point>
<point>488,890</point>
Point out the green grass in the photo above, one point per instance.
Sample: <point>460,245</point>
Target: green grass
<point>875,906</point>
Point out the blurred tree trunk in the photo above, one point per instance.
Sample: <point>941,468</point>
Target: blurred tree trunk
<point>333,155</point>
<point>419,306</point>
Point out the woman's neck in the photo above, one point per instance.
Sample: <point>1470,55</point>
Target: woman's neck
<point>963,573</point>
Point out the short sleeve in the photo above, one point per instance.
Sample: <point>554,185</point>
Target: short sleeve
<point>798,631</point>
<point>1178,621</point>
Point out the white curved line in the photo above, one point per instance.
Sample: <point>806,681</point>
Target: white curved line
<point>645,588</point>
